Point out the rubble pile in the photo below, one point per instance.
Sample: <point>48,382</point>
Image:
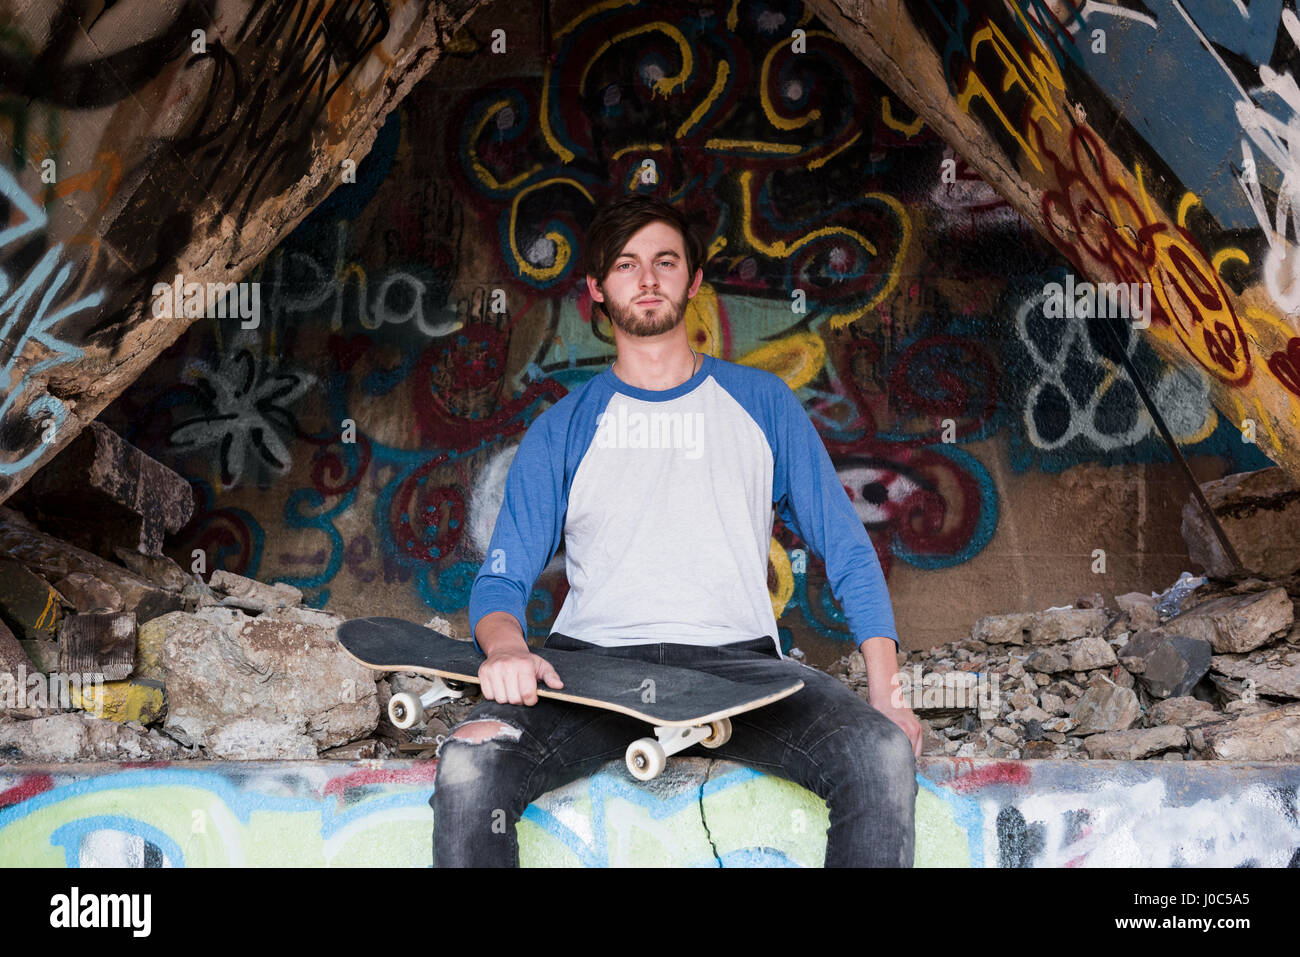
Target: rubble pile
<point>1209,670</point>
<point>116,653</point>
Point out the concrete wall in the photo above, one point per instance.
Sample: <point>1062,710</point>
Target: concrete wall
<point>331,813</point>
<point>807,174</point>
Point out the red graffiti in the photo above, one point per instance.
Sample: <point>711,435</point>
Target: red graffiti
<point>26,789</point>
<point>1004,772</point>
<point>1286,365</point>
<point>421,773</point>
<point>1104,230</point>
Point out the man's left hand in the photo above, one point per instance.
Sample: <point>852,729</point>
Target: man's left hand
<point>901,716</point>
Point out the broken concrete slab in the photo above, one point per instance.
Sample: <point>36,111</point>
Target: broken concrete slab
<point>1274,672</point>
<point>1135,744</point>
<point>98,470</point>
<point>1105,707</point>
<point>1259,512</point>
<point>1042,627</point>
<point>28,604</point>
<point>1235,623</point>
<point>53,559</point>
<point>1271,735</point>
<point>79,737</point>
<point>87,594</point>
<point>252,595</point>
<point>222,666</point>
<point>1088,653</point>
<point>1175,666</point>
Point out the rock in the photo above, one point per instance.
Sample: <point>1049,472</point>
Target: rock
<point>221,666</point>
<point>31,607</point>
<point>1235,624</point>
<point>1135,744</point>
<point>1095,600</point>
<point>1259,512</point>
<point>1088,653</point>
<point>1047,661</point>
<point>1033,713</point>
<point>1184,710</point>
<point>1001,750</point>
<point>1273,673</point>
<point>1015,668</point>
<point>253,595</point>
<point>1042,680</point>
<point>1140,609</point>
<point>1175,666</point>
<point>1272,735</point>
<point>88,594</point>
<point>356,751</point>
<point>56,559</point>
<point>1051,703</point>
<point>1105,707</point>
<point>44,655</point>
<point>138,699</point>
<point>1006,735</point>
<point>253,739</point>
<point>1040,628</point>
<point>1022,699</point>
<point>79,737</point>
<point>1043,750</point>
<point>158,569</point>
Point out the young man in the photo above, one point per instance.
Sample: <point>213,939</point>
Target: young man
<point>662,474</point>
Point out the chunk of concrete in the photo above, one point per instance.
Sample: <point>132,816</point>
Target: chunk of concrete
<point>1040,628</point>
<point>1135,744</point>
<point>221,666</point>
<point>1105,707</point>
<point>1259,512</point>
<point>1235,624</point>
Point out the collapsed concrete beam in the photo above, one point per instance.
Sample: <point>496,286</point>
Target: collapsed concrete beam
<point>155,142</point>
<point>100,461</point>
<point>1020,92</point>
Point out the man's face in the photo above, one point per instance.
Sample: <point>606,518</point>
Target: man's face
<point>648,286</point>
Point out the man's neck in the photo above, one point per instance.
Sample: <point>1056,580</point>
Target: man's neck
<point>643,372</point>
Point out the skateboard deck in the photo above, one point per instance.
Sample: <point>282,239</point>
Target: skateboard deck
<point>684,706</point>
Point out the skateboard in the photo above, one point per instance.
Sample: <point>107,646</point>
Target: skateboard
<point>683,706</point>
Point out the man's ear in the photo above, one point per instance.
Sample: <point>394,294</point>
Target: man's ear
<point>593,289</point>
<point>695,286</point>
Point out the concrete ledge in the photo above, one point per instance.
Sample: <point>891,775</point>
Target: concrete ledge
<point>979,813</point>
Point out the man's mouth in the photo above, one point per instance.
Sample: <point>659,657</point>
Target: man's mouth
<point>648,302</point>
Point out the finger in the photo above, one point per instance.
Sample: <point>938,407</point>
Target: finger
<point>487,685</point>
<point>549,675</point>
<point>528,686</point>
<point>512,688</point>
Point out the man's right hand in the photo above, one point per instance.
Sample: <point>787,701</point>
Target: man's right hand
<point>510,676</point>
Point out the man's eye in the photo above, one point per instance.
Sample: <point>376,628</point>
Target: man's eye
<point>668,262</point>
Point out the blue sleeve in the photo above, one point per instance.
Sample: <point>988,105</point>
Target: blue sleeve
<point>529,526</point>
<point>811,500</point>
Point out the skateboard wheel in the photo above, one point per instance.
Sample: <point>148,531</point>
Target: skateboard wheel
<point>645,759</point>
<point>720,733</point>
<point>404,710</point>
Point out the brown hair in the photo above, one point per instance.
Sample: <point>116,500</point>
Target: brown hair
<point>615,223</point>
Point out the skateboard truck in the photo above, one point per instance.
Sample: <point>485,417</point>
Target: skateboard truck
<point>647,757</point>
<point>405,710</point>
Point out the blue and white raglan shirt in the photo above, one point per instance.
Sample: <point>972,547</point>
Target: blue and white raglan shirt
<point>665,501</point>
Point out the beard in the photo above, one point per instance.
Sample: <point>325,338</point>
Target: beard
<point>644,321</point>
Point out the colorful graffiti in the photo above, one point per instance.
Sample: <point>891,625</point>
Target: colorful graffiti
<point>421,318</point>
<point>137,146</point>
<point>1090,103</point>
<point>700,813</point>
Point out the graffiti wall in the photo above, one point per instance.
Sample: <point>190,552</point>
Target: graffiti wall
<point>699,813</point>
<point>354,440</point>
<point>1149,141</point>
<point>144,143</point>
